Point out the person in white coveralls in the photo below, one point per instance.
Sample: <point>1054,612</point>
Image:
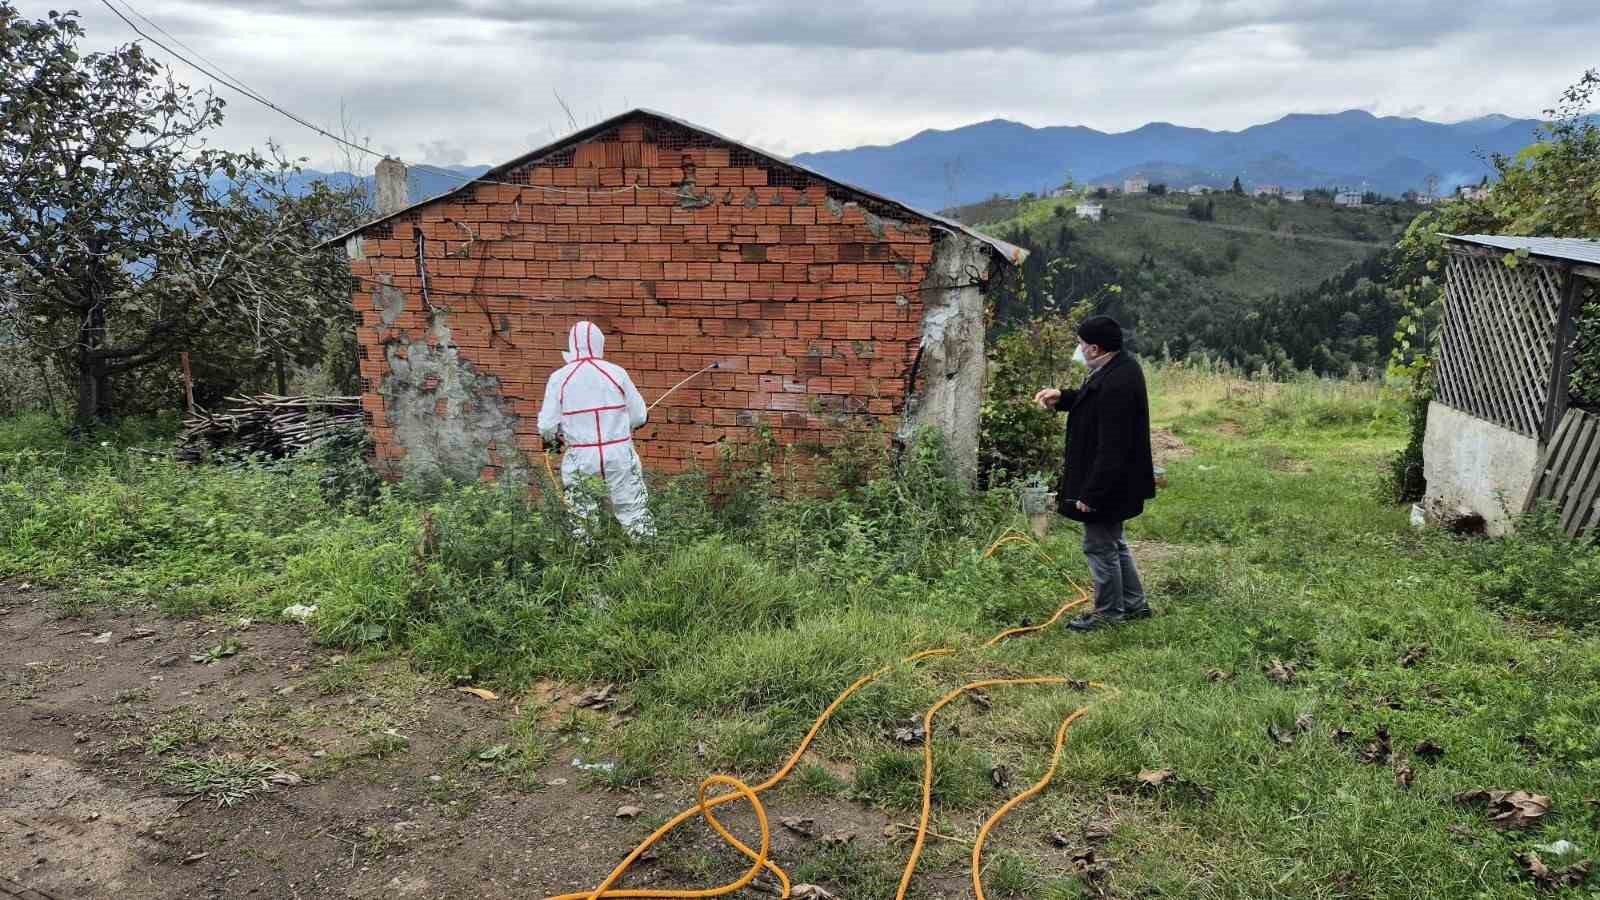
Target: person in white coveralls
<point>592,406</point>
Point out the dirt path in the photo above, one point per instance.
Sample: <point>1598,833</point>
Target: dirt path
<point>92,711</point>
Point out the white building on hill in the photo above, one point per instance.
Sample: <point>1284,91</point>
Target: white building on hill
<point>1268,190</point>
<point>1347,198</point>
<point>1090,210</point>
<point>1294,196</point>
<point>1138,184</point>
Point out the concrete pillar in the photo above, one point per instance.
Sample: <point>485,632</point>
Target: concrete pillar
<point>952,362</point>
<point>392,194</point>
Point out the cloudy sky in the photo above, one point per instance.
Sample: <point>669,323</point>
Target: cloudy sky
<point>476,81</point>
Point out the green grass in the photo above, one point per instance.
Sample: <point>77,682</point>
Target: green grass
<point>1270,544</point>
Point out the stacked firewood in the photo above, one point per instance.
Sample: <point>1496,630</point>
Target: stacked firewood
<point>267,424</point>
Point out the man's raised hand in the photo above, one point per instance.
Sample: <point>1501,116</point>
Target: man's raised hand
<point>1047,398</point>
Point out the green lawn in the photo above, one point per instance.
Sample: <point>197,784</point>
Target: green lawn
<point>730,634</point>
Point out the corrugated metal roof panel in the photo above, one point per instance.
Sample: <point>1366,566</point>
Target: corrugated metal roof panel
<point>1011,253</point>
<point>1578,250</point>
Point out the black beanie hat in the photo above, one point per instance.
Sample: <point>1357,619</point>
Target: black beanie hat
<point>1102,331</point>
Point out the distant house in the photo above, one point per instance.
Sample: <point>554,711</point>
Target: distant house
<point>1473,192</point>
<point>1294,196</point>
<point>1138,184</point>
<point>1199,189</point>
<point>1062,191</point>
<point>1268,190</point>
<point>1090,210</point>
<point>1347,198</point>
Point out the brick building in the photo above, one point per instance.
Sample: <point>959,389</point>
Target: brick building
<point>825,306</point>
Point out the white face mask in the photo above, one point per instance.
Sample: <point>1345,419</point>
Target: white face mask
<point>1078,357</point>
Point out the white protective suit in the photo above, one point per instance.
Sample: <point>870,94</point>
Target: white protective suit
<point>594,408</point>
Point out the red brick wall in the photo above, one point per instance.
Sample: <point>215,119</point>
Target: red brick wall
<point>809,302</point>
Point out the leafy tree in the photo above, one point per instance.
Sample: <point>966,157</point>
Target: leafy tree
<point>124,238</point>
<point>1238,186</point>
<point>1158,189</point>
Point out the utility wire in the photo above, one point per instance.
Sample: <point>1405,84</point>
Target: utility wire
<point>235,85</point>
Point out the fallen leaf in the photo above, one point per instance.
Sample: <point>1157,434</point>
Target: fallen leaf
<point>980,699</point>
<point>194,858</point>
<point>1508,810</point>
<point>1155,778</point>
<point>1087,865</point>
<point>1340,735</point>
<point>1059,840</point>
<point>838,838</point>
<point>1548,878</point>
<point>103,637</point>
<point>910,735</point>
<point>498,751</point>
<point>1413,656</point>
<point>1428,750</point>
<point>1378,751</point>
<point>700,749</point>
<point>801,826</point>
<point>286,779</point>
<point>1403,775</point>
<point>1216,676</point>
<point>1098,830</point>
<point>479,692</point>
<point>629,812</point>
<point>1281,672</point>
<point>1278,736</point>
<point>810,892</point>
<point>1000,776</point>
<point>596,698</point>
<point>1304,722</point>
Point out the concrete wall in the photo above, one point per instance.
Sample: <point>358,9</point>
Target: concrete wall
<point>816,304</point>
<point>1476,466</point>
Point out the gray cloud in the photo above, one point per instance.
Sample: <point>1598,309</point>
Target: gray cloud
<point>474,81</point>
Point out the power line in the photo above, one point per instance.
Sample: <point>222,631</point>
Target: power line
<point>229,82</point>
<point>216,73</point>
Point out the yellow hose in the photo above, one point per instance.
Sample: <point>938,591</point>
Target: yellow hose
<point>740,790</point>
<point>1018,800</point>
<point>927,767</point>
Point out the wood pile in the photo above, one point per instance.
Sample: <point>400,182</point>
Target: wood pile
<point>267,424</point>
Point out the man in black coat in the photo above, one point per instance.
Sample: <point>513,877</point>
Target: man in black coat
<point>1109,472</point>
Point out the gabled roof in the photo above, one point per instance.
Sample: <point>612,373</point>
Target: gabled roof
<point>1008,253</point>
<point>1576,250</point>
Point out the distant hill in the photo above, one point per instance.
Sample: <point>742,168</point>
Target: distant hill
<point>1390,155</point>
<point>1254,280</point>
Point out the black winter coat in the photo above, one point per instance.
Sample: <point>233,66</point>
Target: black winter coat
<point>1108,463</point>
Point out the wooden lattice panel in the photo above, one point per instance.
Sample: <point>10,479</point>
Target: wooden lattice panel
<point>1570,476</point>
<point>1498,345</point>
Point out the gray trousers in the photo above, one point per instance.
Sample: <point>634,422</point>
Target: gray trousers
<point>1117,590</point>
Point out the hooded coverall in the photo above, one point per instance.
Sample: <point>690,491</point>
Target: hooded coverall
<point>594,408</point>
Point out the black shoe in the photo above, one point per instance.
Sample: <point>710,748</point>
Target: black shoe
<point>1143,612</point>
<point>1092,621</point>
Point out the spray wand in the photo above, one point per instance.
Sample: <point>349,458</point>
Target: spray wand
<point>715,365</point>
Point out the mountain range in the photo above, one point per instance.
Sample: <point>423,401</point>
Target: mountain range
<point>1352,149</point>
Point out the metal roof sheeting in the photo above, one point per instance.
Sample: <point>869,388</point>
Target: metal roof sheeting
<point>1577,250</point>
<point>1010,253</point>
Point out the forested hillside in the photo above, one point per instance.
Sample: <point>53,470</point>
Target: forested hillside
<point>1255,281</point>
